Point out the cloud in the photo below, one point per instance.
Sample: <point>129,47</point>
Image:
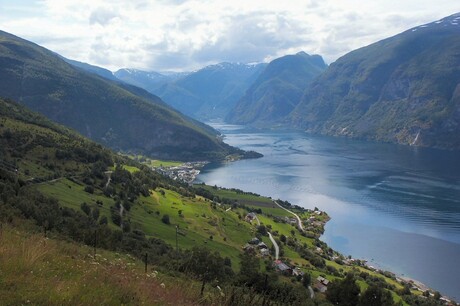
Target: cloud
<point>102,16</point>
<point>188,34</point>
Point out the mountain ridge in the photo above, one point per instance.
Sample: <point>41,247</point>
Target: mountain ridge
<point>115,114</point>
<point>403,89</point>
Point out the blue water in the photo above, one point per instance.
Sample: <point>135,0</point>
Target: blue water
<point>395,206</point>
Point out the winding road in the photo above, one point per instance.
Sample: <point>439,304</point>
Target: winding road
<point>300,225</point>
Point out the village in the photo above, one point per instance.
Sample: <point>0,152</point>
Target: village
<point>186,172</point>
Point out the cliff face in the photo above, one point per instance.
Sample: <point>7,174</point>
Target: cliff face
<point>403,89</point>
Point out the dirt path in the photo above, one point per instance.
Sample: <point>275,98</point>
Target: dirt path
<point>109,178</point>
<point>277,249</point>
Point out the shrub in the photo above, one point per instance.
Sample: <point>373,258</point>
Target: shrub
<point>165,219</point>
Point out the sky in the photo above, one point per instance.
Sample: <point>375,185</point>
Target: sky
<point>182,35</point>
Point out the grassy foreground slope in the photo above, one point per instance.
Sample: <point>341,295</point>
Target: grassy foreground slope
<point>43,271</point>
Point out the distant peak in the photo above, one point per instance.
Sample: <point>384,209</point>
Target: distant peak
<point>229,65</point>
<point>449,21</point>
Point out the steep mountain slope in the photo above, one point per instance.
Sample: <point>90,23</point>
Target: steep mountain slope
<point>278,90</point>
<point>118,115</point>
<point>403,89</point>
<point>149,81</point>
<point>91,68</point>
<point>212,91</point>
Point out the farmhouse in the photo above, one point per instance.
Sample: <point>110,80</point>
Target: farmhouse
<point>262,245</point>
<point>249,217</point>
<point>321,284</point>
<point>282,267</point>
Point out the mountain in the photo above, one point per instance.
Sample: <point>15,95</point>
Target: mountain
<point>105,73</point>
<point>212,91</point>
<point>404,89</point>
<point>118,115</point>
<point>277,90</point>
<point>149,81</point>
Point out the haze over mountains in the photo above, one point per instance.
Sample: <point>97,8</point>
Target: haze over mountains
<point>150,81</point>
<point>204,94</point>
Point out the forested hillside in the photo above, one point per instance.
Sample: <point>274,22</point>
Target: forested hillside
<point>120,116</point>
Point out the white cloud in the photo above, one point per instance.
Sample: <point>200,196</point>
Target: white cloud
<point>102,16</point>
<point>184,35</point>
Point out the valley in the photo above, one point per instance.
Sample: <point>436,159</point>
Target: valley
<point>191,166</point>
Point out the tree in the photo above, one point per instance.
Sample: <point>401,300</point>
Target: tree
<point>283,238</point>
<point>89,189</point>
<point>405,290</point>
<point>86,209</point>
<point>376,296</point>
<point>165,219</point>
<point>103,220</point>
<point>261,229</point>
<point>306,280</point>
<point>344,292</point>
<point>205,266</point>
<point>249,270</point>
<point>95,213</point>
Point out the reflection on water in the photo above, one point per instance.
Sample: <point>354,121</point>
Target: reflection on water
<point>396,205</point>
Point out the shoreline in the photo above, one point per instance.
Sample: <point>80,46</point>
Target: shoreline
<point>401,278</point>
<point>404,281</point>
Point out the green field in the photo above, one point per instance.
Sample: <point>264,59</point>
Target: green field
<point>131,169</point>
<point>72,195</point>
<point>153,162</point>
<point>163,163</point>
<point>196,219</point>
<point>250,200</point>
